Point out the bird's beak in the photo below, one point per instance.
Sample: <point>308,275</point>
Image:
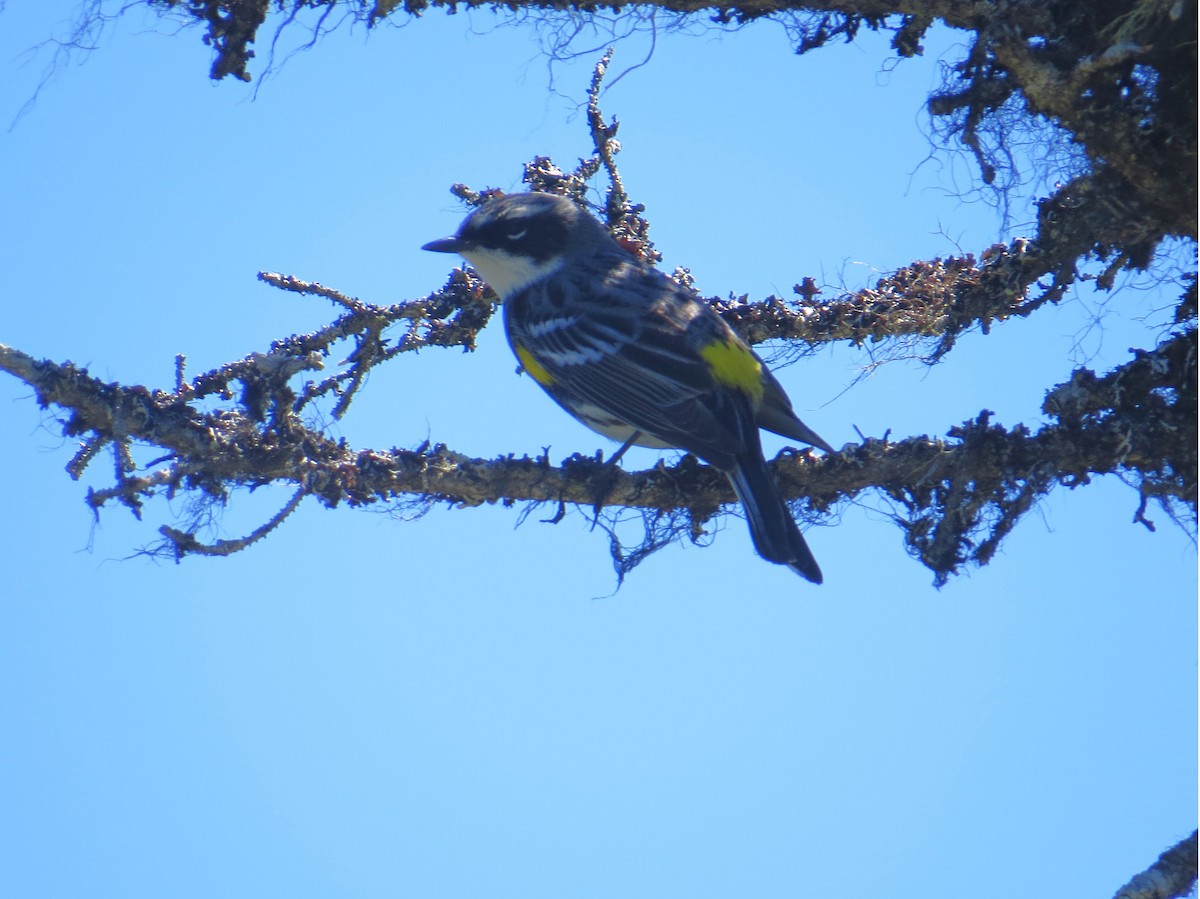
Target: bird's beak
<point>446,245</point>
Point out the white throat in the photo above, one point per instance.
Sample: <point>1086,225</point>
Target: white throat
<point>507,273</point>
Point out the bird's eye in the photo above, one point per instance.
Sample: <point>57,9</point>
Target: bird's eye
<point>517,233</point>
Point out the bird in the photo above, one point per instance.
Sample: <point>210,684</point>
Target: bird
<point>634,355</point>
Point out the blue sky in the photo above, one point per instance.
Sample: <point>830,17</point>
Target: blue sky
<point>457,706</point>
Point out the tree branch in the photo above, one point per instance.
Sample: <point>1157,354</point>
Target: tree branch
<point>957,497</point>
<point>1171,877</point>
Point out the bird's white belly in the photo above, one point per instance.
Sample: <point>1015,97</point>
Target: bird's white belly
<point>602,422</point>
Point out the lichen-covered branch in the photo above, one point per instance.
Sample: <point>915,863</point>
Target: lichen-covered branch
<point>956,497</point>
<point>1117,81</point>
<point>1172,876</point>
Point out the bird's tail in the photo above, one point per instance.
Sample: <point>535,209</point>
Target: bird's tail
<point>772,527</point>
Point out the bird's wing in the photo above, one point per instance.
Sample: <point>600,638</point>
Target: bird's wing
<point>635,361</point>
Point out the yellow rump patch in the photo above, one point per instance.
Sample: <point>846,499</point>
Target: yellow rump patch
<point>531,365</point>
<point>732,364</point>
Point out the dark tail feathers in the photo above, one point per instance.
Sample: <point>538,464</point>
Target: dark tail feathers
<point>772,527</point>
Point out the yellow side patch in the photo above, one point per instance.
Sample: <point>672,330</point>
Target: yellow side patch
<point>732,364</point>
<point>531,365</point>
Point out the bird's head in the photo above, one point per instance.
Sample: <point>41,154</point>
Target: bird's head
<point>519,239</point>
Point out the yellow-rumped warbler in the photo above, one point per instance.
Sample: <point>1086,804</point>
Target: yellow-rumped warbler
<point>632,354</point>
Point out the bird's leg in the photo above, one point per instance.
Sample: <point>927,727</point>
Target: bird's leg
<point>607,476</point>
<point>616,457</point>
